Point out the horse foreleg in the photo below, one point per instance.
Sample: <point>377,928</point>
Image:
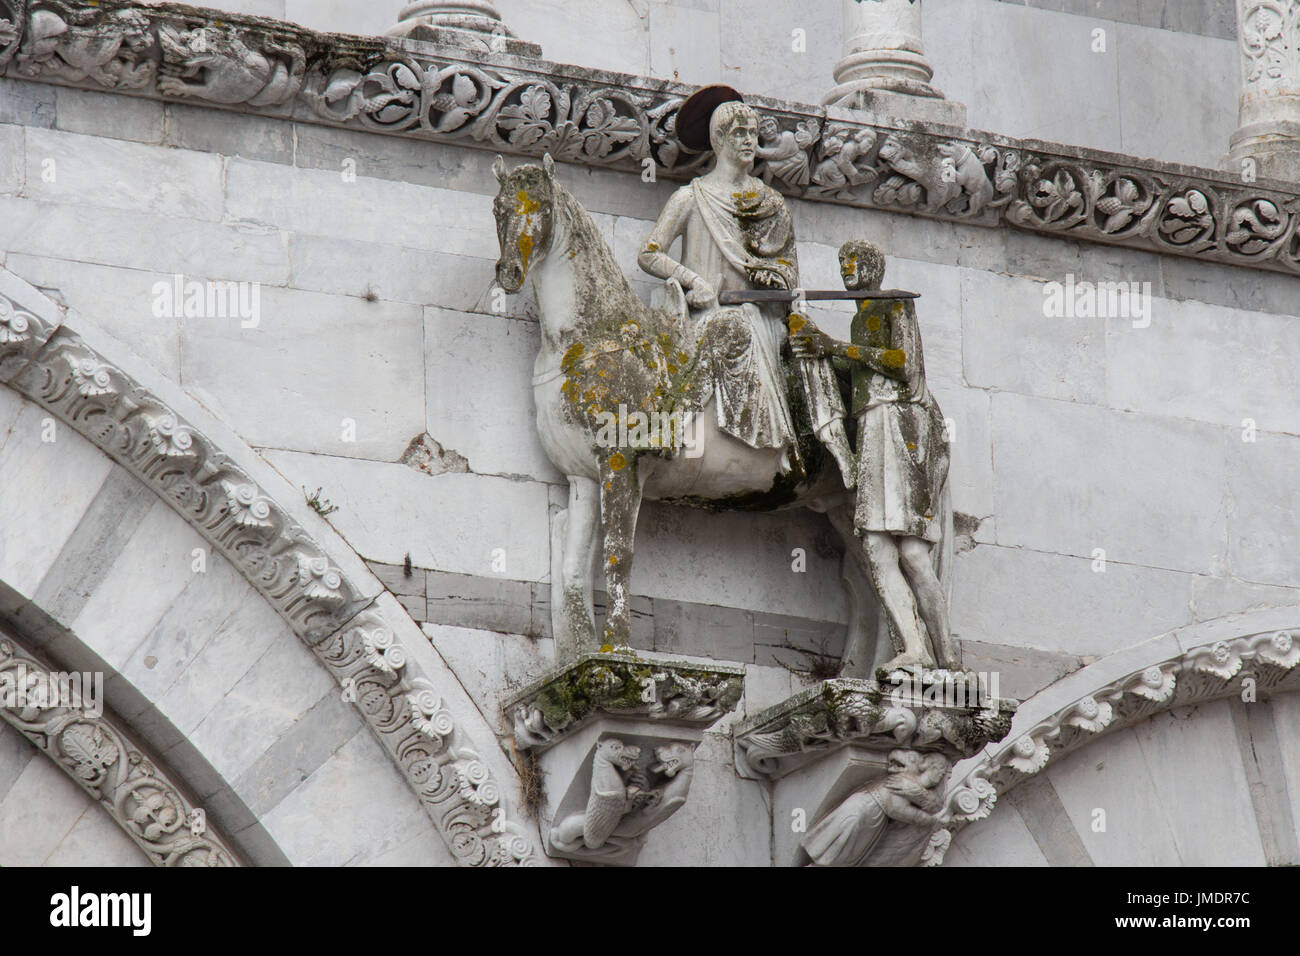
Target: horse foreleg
<point>620,502</point>
<point>572,620</point>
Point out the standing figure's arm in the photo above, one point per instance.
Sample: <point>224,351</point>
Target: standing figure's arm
<point>808,341</point>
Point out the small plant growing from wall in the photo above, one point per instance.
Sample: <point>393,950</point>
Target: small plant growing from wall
<point>320,505</point>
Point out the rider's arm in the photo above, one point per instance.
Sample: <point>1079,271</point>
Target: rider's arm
<point>653,257</point>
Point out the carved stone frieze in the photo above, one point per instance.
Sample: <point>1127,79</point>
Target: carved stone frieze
<point>351,634</point>
<point>1168,677</point>
<point>928,714</point>
<point>653,689</point>
<point>518,105</point>
<point>100,756</point>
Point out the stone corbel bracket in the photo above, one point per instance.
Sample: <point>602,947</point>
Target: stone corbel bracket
<point>1196,665</point>
<point>520,105</point>
<point>350,625</point>
<point>866,713</point>
<point>614,737</point>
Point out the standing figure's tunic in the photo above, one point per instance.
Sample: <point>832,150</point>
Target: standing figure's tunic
<point>902,447</point>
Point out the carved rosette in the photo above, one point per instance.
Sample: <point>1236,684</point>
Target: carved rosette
<point>98,755</point>
<point>1205,673</point>
<point>348,632</point>
<point>866,713</point>
<point>595,118</point>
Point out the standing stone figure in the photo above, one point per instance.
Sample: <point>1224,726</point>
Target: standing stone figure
<point>737,234</point>
<point>889,821</point>
<point>902,464</point>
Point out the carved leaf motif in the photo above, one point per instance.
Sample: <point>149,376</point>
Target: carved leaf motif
<point>529,120</point>
<point>606,129</point>
<point>89,750</point>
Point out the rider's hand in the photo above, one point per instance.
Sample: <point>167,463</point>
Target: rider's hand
<point>702,295</point>
<point>811,345</point>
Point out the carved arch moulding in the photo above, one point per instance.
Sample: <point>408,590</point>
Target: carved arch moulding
<point>405,693</point>
<point>514,104</point>
<point>1192,665</point>
<point>107,762</point>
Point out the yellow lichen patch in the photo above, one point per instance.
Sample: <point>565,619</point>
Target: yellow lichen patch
<point>796,322</point>
<point>897,308</point>
<point>652,247</point>
<point>783,262</point>
<point>607,648</point>
<point>893,358</point>
<point>525,250</point>
<point>613,560</point>
<point>617,462</point>
<point>853,352</point>
<point>527,205</point>
<point>911,446</point>
<point>571,356</point>
<point>873,323</point>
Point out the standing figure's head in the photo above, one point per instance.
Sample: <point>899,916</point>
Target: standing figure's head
<point>862,265</point>
<point>934,770</point>
<point>733,133</point>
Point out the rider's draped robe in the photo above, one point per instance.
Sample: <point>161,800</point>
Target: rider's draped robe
<point>742,240</point>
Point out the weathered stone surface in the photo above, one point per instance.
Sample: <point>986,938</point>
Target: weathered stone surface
<point>684,43</point>
<point>141,240</point>
<point>117,301</point>
<point>105,114</point>
<point>41,808</point>
<point>490,604</point>
<point>332,397</point>
<point>1109,475</point>
<point>1003,841</point>
<point>12,159</point>
<point>359,783</point>
<point>320,203</point>
<point>1177,753</point>
<point>1262,532</point>
<point>1022,672</point>
<point>1009,342</point>
<point>1137,833</point>
<point>117,174</point>
<point>1207,363</point>
<point>27,104</point>
<point>59,479</point>
<point>1154,117</point>
<point>474,515</point>
<point>1061,603</point>
<point>496,431</point>
<point>230,134</point>
<point>491,665</point>
<point>147,577</point>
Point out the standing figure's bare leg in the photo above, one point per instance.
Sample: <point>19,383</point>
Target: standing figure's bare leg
<point>898,600</point>
<point>930,598</point>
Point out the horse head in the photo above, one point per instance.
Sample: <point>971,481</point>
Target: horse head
<point>525,213</point>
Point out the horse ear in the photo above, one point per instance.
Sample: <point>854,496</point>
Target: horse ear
<point>548,165</point>
<point>499,168</point>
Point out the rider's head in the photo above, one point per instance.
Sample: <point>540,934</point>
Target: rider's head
<point>733,131</point>
<point>862,265</point>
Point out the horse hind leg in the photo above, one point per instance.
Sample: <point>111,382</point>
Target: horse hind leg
<point>620,503</point>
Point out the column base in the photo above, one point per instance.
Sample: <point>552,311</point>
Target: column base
<point>895,104</point>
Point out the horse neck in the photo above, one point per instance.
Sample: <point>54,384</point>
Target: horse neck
<point>579,279</point>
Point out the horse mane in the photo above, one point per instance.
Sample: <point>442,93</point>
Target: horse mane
<point>584,234</point>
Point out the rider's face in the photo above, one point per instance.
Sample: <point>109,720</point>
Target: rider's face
<point>742,139</point>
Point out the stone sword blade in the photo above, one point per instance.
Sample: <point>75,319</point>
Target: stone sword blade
<point>736,297</point>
